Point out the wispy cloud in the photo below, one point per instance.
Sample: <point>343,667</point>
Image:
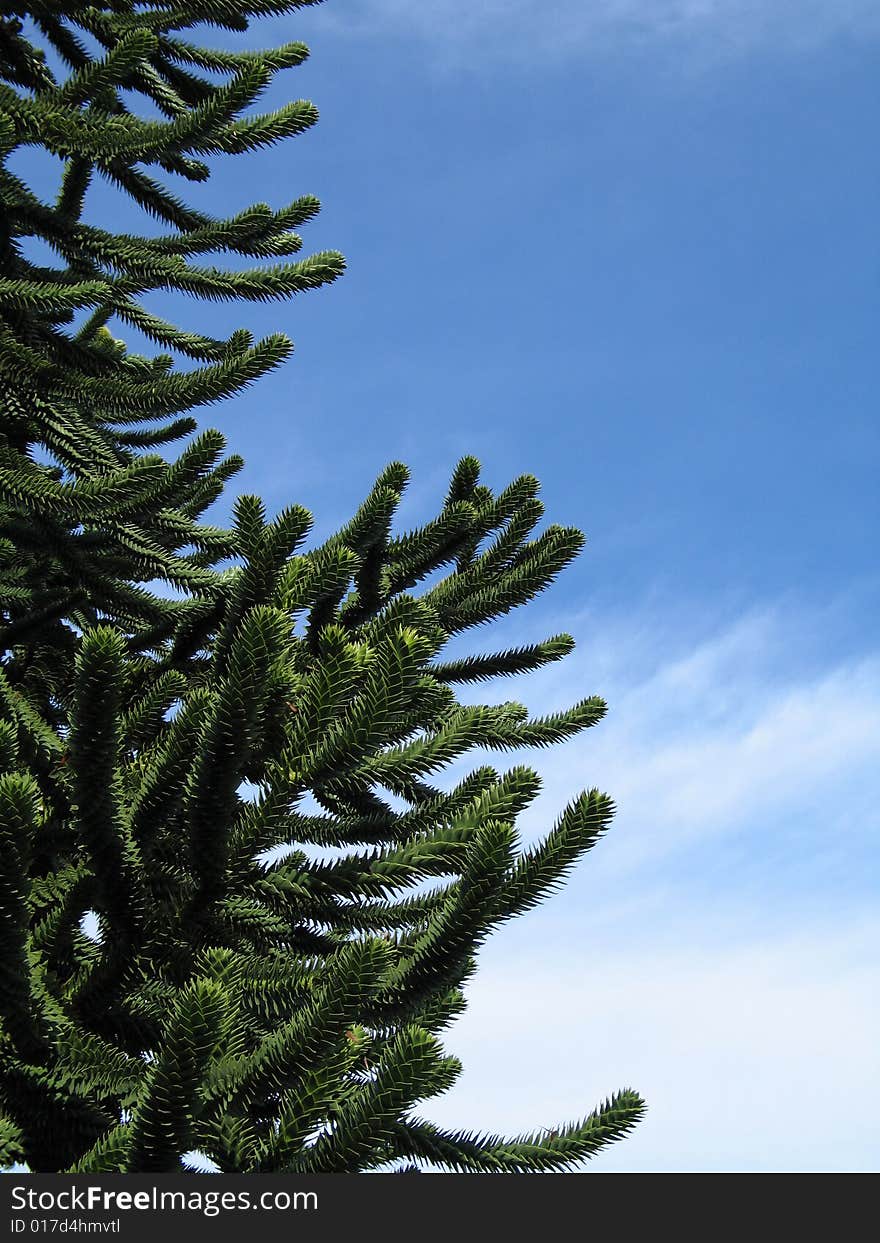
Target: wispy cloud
<point>560,29</point>
<point>718,949</point>
<point>726,739</point>
<point>752,1057</point>
<point>727,732</point>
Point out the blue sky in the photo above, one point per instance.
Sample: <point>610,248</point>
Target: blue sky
<point>630,246</point>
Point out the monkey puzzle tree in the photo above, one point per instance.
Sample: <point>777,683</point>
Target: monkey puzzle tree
<point>242,786</point>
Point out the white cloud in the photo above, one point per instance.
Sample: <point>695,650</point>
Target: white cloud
<point>562,29</point>
<point>759,1057</point>
<point>731,737</point>
<point>733,733</point>
<point>717,950</point>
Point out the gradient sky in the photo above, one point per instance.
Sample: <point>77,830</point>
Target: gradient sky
<point>630,246</point>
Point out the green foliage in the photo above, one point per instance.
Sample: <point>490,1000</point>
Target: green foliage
<point>78,104</point>
<point>86,522</point>
<point>252,994</point>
